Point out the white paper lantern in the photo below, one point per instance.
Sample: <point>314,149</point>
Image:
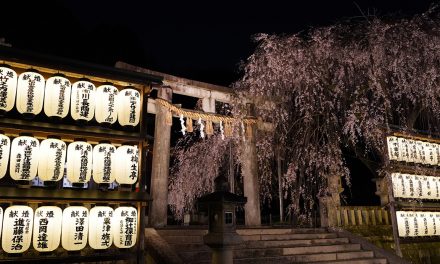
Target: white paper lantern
<point>30,93</point>
<point>127,164</point>
<point>17,228</point>
<point>106,104</point>
<point>436,225</point>
<point>82,100</point>
<point>100,231</point>
<point>398,184</point>
<point>57,96</point>
<point>405,223</point>
<point>79,162</point>
<point>47,228</point>
<point>421,152</point>
<point>129,107</point>
<point>1,220</point>
<point>404,149</point>
<point>75,228</point>
<point>422,223</point>
<point>431,157</point>
<point>431,224</point>
<point>5,145</point>
<point>52,158</point>
<point>393,148</point>
<point>437,152</point>
<point>8,88</point>
<point>436,188</point>
<point>24,158</point>
<point>410,186</point>
<point>125,223</point>
<point>413,154</point>
<point>104,163</point>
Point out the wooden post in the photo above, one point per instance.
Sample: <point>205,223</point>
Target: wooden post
<point>161,160</point>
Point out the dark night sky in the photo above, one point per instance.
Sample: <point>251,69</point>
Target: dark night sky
<point>202,41</point>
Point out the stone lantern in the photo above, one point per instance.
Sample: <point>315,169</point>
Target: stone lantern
<point>222,235</point>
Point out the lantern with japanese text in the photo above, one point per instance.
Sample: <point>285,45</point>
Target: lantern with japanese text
<point>421,152</point>
<point>413,153</point>
<point>79,162</point>
<point>8,88</point>
<point>129,107</point>
<point>82,101</point>
<point>47,228</point>
<point>30,93</point>
<point>393,148</point>
<point>100,235</point>
<point>398,183</point>
<point>57,96</point>
<point>125,223</point>
<point>106,104</point>
<point>5,145</point>
<point>104,163</point>
<point>435,181</point>
<point>405,223</point>
<point>52,158</point>
<point>24,158</point>
<point>75,228</point>
<point>17,228</point>
<point>403,149</point>
<point>127,164</point>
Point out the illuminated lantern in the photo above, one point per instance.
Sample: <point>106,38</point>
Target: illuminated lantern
<point>17,228</point>
<point>82,101</point>
<point>432,230</point>
<point>418,190</point>
<point>437,152</point>
<point>125,227</point>
<point>24,158</point>
<point>47,228</point>
<point>393,148</point>
<point>75,228</point>
<point>52,158</point>
<point>129,107</point>
<point>422,223</point>
<point>436,226</point>
<point>1,220</point>
<point>106,104</point>
<point>100,231</point>
<point>79,162</point>
<point>57,96</point>
<point>127,164</point>
<point>435,188</point>
<point>425,187</point>
<point>431,157</point>
<point>398,182</point>
<point>104,163</point>
<point>421,151</point>
<point>8,88</point>
<point>30,93</point>
<point>404,149</point>
<point>405,223</point>
<point>410,185</point>
<point>413,154</point>
<point>5,144</point>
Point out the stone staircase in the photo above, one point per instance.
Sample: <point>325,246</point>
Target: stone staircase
<point>274,245</point>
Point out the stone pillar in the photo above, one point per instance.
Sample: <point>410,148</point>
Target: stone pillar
<point>330,203</point>
<point>161,162</point>
<point>382,190</point>
<point>250,177</point>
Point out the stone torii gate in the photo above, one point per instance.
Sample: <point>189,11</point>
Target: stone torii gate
<point>209,94</point>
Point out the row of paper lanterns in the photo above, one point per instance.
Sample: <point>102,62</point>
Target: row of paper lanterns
<point>414,151</point>
<point>418,224</point>
<point>73,227</point>
<point>30,91</point>
<point>415,186</point>
<point>29,157</point>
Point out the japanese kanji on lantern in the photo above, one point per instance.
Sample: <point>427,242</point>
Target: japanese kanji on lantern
<point>75,228</point>
<point>82,100</point>
<point>57,96</point>
<point>415,186</point>
<point>17,228</point>
<point>413,151</point>
<point>417,224</point>
<point>5,145</point>
<point>47,228</point>
<point>104,163</point>
<point>52,158</point>
<point>125,227</point>
<point>30,93</point>
<point>24,158</point>
<point>8,88</point>
<point>127,164</point>
<point>129,107</point>
<point>100,232</point>
<point>79,162</point>
<point>106,104</point>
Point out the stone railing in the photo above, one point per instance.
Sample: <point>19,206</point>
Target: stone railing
<point>362,216</point>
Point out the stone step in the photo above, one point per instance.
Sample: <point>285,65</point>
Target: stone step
<point>295,242</point>
<point>289,236</point>
<point>320,249</point>
<point>183,239</point>
<point>279,231</point>
<point>335,256</point>
<point>353,261</point>
<point>182,232</point>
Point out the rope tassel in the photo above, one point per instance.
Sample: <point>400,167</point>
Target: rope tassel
<point>189,124</point>
<point>209,128</point>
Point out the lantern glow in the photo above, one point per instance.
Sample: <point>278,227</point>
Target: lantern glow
<point>57,96</point>
<point>79,162</point>
<point>52,158</point>
<point>125,223</point>
<point>24,158</point>
<point>106,104</point>
<point>8,88</point>
<point>17,228</point>
<point>104,163</point>
<point>30,93</point>
<point>75,228</point>
<point>47,228</point>
<point>127,164</point>
<point>82,100</point>
<point>100,234</point>
<point>5,144</point>
<point>129,105</point>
